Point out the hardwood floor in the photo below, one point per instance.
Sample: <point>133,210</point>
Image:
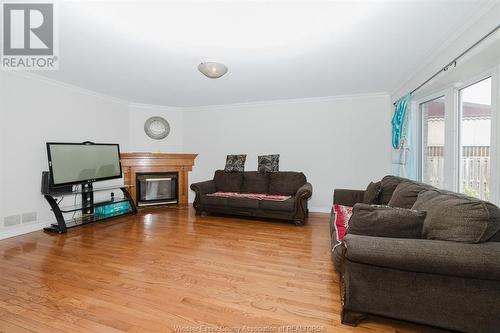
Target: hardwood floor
<point>167,268</point>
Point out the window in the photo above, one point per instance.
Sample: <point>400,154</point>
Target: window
<point>475,139</point>
<point>432,141</point>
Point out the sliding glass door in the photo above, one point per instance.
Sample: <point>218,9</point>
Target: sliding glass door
<point>475,139</point>
<point>432,141</point>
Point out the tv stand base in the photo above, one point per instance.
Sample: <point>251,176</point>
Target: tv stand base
<point>55,229</point>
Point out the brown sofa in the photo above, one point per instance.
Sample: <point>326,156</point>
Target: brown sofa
<point>448,277</point>
<point>288,183</point>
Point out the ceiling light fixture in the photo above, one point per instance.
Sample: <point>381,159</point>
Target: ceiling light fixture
<point>213,70</point>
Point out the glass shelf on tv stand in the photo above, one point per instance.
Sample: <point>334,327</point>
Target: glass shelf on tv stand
<point>95,189</point>
<point>79,206</point>
<point>87,206</point>
<point>90,218</point>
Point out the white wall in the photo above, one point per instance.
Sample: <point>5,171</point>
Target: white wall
<point>33,111</point>
<point>140,142</point>
<point>338,142</point>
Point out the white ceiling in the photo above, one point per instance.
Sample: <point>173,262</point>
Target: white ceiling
<point>148,52</point>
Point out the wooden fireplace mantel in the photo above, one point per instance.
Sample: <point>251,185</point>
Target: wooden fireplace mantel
<point>134,163</point>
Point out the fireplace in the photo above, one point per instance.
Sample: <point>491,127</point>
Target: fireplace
<point>157,188</point>
<point>134,164</point>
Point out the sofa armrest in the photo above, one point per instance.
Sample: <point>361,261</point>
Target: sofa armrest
<point>478,261</point>
<point>204,187</point>
<point>304,192</point>
<point>301,196</point>
<point>347,197</point>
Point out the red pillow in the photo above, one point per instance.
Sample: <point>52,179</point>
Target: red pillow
<point>341,223</point>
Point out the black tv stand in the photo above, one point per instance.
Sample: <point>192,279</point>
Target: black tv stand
<point>87,206</point>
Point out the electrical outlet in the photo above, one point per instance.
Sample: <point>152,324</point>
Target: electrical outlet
<point>9,221</point>
<point>29,217</point>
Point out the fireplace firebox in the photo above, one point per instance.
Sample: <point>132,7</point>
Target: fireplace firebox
<point>157,188</point>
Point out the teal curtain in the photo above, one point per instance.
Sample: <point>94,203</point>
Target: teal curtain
<point>404,149</point>
<point>399,120</point>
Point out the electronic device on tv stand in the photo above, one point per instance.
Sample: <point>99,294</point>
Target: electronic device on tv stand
<point>80,163</point>
<point>47,188</point>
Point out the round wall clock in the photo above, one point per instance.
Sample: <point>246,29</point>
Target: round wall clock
<point>157,128</point>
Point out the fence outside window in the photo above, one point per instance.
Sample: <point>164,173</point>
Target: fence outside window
<point>474,169</point>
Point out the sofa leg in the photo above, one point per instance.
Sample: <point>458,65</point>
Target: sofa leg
<point>352,318</point>
<point>298,222</point>
<point>198,212</point>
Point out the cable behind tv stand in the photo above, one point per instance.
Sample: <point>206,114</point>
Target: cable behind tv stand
<point>87,207</point>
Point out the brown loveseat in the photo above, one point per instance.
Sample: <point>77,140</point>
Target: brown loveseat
<point>287,183</point>
<point>448,277</point>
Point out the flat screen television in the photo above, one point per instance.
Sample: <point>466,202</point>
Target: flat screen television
<point>78,163</point>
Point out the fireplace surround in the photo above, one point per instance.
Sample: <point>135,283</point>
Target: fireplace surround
<point>136,164</point>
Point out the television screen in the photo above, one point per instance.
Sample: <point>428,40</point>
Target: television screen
<point>74,163</point>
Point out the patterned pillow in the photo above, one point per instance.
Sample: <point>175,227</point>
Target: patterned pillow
<point>341,223</point>
<point>235,163</point>
<point>269,163</point>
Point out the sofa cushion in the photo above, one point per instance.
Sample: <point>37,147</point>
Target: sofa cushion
<point>228,181</point>
<point>286,182</point>
<point>213,201</point>
<point>372,193</point>
<point>385,221</point>
<point>287,205</point>
<point>457,217</point>
<point>243,203</point>
<point>406,193</point>
<point>388,185</point>
<point>235,163</point>
<point>255,182</point>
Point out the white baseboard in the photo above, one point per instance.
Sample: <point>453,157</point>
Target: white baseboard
<point>320,209</point>
<point>21,229</point>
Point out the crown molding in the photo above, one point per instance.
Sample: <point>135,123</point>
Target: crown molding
<point>155,107</point>
<point>286,101</point>
<point>89,92</point>
<point>459,30</point>
<point>64,85</point>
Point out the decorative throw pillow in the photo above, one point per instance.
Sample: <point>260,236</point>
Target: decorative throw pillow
<point>372,193</point>
<point>269,163</point>
<point>385,221</point>
<point>341,222</point>
<point>235,163</point>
